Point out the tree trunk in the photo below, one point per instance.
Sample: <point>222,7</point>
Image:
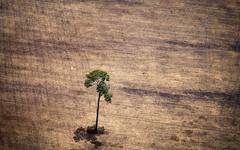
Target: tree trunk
<point>96,127</point>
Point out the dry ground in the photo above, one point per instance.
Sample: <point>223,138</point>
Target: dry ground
<point>174,66</point>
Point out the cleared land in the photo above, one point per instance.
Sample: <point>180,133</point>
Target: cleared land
<point>174,66</point>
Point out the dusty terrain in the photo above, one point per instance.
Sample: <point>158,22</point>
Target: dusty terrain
<point>174,67</point>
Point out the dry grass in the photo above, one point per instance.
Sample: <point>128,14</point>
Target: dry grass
<point>174,69</point>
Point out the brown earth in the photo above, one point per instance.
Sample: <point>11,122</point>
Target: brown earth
<point>174,67</point>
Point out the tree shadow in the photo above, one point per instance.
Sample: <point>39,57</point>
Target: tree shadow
<point>89,134</point>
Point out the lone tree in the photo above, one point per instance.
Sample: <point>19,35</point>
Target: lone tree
<point>99,78</point>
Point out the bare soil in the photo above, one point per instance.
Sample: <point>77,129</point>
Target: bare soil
<point>174,72</point>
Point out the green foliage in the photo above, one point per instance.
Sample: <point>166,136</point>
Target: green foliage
<point>108,97</point>
<point>88,83</point>
<point>99,77</point>
<point>102,88</point>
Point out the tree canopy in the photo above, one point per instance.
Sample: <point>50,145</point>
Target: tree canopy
<point>99,78</point>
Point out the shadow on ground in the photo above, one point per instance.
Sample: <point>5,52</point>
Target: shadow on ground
<point>89,135</point>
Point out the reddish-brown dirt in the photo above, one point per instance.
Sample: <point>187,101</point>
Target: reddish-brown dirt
<point>174,72</point>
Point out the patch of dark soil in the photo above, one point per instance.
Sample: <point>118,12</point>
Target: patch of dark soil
<point>4,5</point>
<point>7,117</point>
<point>143,92</point>
<point>19,86</point>
<point>235,46</point>
<point>188,132</point>
<point>202,117</point>
<point>201,133</point>
<point>115,145</point>
<point>193,45</point>
<point>169,106</point>
<point>128,2</point>
<point>34,47</point>
<point>156,146</point>
<point>205,94</point>
<point>174,138</point>
<point>78,92</point>
<point>224,98</point>
<point>89,134</point>
<point>231,98</point>
<point>12,67</point>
